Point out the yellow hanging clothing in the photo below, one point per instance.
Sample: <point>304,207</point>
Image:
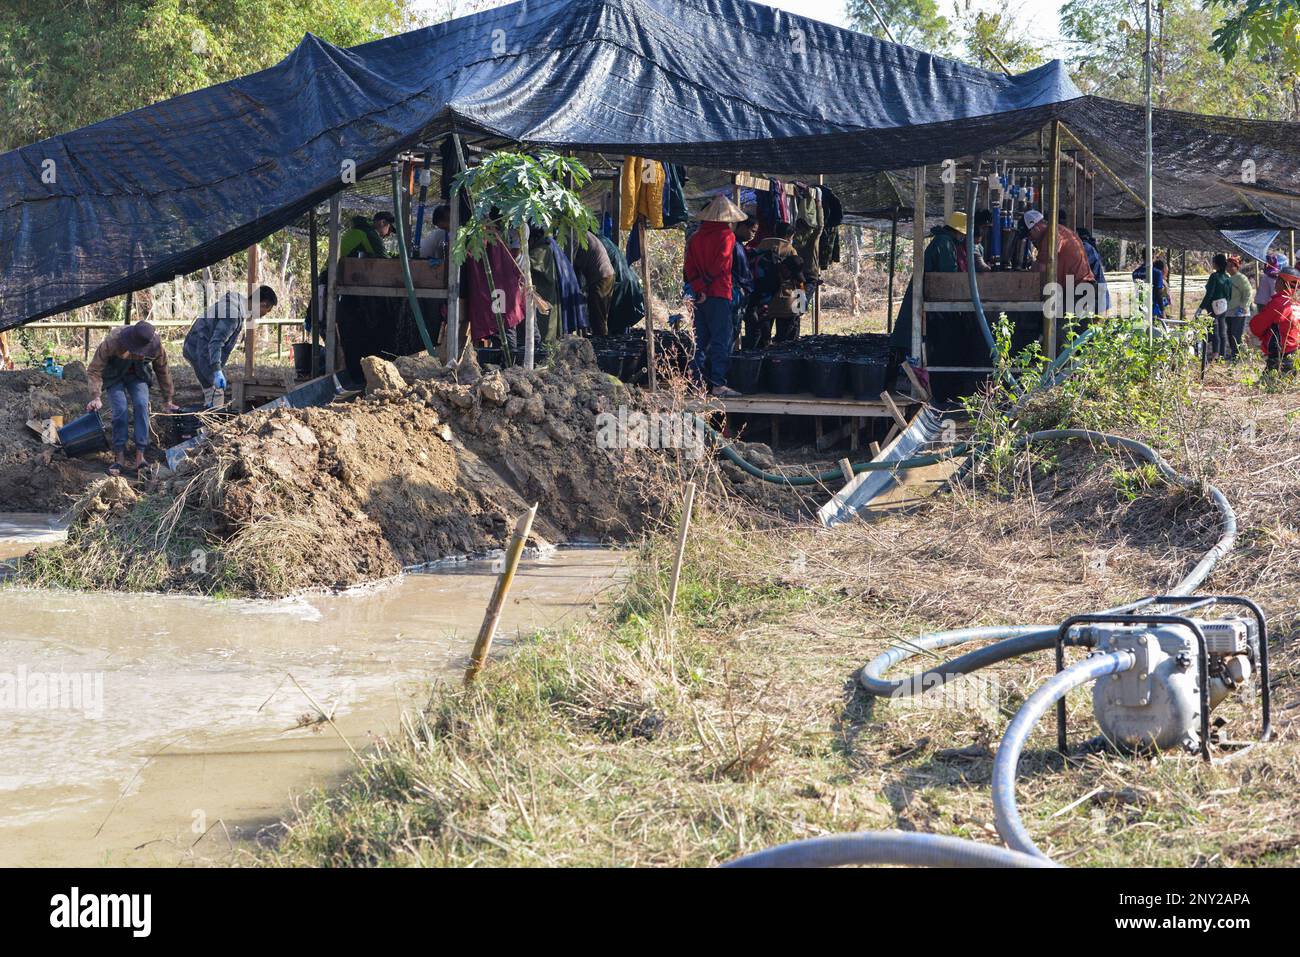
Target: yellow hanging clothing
<point>642,192</point>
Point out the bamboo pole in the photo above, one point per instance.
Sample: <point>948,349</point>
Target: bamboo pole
<point>918,263</point>
<point>893,261</point>
<point>649,305</point>
<point>483,646</point>
<point>331,285</point>
<point>1182,295</point>
<point>254,311</point>
<point>682,529</point>
<point>314,308</point>
<point>1053,228</point>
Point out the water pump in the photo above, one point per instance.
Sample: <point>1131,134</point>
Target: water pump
<point>1182,668</point>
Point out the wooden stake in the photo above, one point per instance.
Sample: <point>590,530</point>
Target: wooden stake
<point>888,399</point>
<point>682,529</point>
<point>846,469</point>
<point>493,615</point>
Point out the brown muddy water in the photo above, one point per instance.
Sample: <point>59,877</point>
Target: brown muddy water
<point>161,730</point>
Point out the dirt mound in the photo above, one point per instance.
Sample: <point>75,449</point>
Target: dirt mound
<point>440,466</point>
<point>35,477</point>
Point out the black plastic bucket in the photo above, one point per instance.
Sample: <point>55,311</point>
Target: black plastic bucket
<point>490,356</point>
<point>302,359</point>
<point>827,376</point>
<point>746,372</point>
<point>84,435</point>
<point>785,373</point>
<point>866,379</point>
<point>610,363</point>
<point>633,363</point>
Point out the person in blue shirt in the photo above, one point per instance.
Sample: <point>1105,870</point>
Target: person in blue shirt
<point>1094,263</point>
<point>1160,295</point>
<point>742,276</point>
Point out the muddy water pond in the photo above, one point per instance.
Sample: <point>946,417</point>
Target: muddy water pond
<point>159,730</point>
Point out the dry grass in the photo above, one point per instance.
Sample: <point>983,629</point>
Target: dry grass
<point>738,725</point>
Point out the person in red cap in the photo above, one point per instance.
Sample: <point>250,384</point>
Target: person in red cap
<point>124,366</point>
<point>1277,325</point>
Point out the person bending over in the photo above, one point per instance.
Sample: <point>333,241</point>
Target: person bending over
<point>124,367</point>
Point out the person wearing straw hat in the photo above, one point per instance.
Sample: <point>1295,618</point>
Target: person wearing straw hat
<point>709,257</point>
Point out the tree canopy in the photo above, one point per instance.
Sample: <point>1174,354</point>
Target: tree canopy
<point>66,63</point>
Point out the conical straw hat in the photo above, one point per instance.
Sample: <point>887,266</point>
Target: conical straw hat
<point>721,210</point>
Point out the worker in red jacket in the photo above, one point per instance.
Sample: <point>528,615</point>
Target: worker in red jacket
<point>709,254</point>
<point>1277,324</point>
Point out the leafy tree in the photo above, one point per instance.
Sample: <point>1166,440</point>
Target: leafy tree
<point>67,63</point>
<point>1106,39</point>
<point>916,23</point>
<point>992,37</point>
<point>1268,30</point>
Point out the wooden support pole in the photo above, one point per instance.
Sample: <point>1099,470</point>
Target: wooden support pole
<point>254,311</point>
<point>451,332</point>
<point>893,261</point>
<point>649,305</point>
<point>331,287</point>
<point>918,264</point>
<point>530,304</point>
<point>483,645</point>
<point>817,290</point>
<point>314,308</point>
<point>684,526</point>
<point>1053,228</point>
<point>1182,293</point>
<point>899,420</point>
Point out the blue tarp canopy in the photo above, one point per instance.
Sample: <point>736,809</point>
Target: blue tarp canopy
<point>728,84</point>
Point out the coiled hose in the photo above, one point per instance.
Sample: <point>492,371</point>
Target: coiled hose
<point>1012,641</point>
<point>1005,813</point>
<point>889,847</point>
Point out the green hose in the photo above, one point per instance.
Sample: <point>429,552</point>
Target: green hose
<point>406,260</point>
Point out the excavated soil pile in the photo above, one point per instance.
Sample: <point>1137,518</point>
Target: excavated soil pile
<point>417,471</point>
<point>35,477</point>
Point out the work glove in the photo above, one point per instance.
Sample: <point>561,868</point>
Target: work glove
<point>219,380</point>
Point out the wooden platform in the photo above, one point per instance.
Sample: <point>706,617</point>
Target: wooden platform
<point>803,403</point>
<point>855,412</point>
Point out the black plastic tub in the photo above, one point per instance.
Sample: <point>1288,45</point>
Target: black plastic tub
<point>610,363</point>
<point>633,364</point>
<point>490,356</point>
<point>302,360</point>
<point>866,379</point>
<point>785,373</point>
<point>827,376</point>
<point>84,435</point>
<point>745,374</point>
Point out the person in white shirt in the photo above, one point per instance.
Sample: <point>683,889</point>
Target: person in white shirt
<point>433,244</point>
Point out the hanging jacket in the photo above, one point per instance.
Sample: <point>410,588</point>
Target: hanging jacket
<point>675,209</point>
<point>627,305</point>
<point>642,192</point>
<point>1278,317</point>
<point>505,277</point>
<point>708,260</point>
<point>572,300</point>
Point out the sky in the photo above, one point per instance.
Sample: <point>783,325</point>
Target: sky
<point>1038,18</point>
